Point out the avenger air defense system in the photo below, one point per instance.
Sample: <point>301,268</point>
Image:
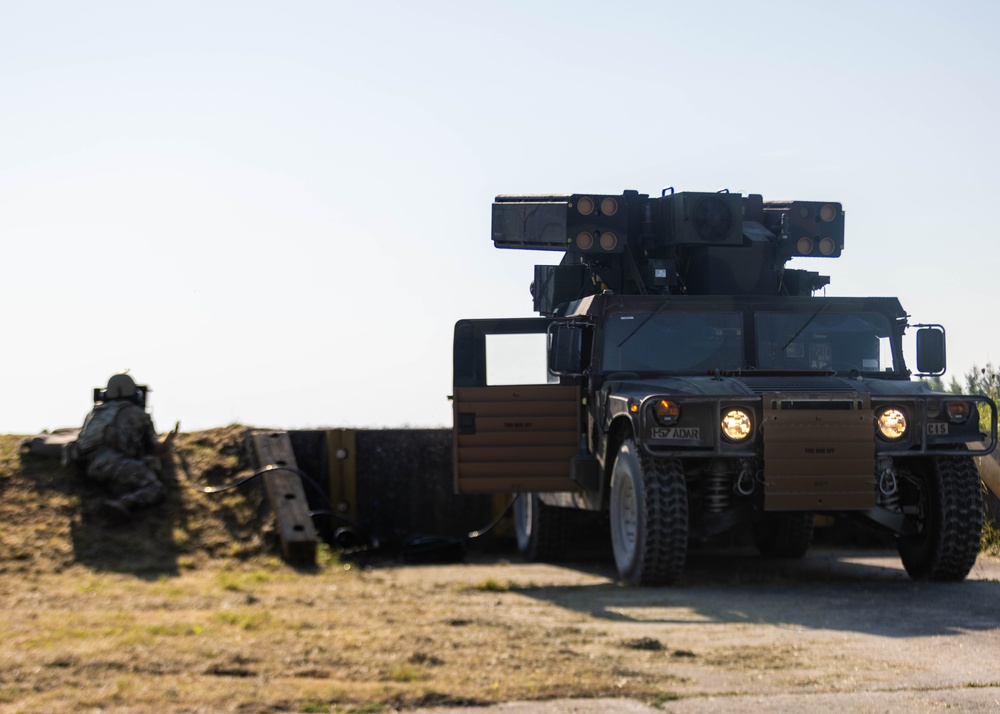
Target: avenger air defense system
<point>683,381</point>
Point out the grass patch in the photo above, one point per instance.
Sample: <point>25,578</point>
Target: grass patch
<point>245,620</point>
<point>326,557</point>
<point>491,585</point>
<point>173,630</point>
<point>650,644</point>
<point>404,673</point>
<point>314,708</point>
<point>990,543</point>
<point>242,581</point>
<point>664,698</point>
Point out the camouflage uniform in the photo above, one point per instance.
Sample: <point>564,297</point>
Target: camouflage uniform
<point>117,440</point>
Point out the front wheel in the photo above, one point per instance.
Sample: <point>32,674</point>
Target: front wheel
<point>947,495</point>
<point>542,532</point>
<point>649,517</point>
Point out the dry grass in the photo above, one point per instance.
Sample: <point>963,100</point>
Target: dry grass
<point>189,609</point>
<point>989,470</point>
<point>330,640</point>
<point>259,636</point>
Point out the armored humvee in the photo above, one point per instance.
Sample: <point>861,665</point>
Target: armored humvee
<point>683,381</point>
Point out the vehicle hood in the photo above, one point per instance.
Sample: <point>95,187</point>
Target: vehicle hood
<point>749,386</point>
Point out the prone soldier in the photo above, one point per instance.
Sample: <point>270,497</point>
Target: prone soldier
<point>118,447</point>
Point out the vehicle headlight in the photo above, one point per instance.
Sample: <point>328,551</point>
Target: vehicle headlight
<point>736,425</point>
<point>958,412</point>
<point>667,412</point>
<point>892,423</point>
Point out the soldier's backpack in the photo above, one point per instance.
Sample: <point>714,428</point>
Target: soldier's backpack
<point>92,435</point>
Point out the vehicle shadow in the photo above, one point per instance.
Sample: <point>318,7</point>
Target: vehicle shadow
<point>841,590</point>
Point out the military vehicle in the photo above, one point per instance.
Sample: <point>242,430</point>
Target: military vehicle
<point>683,381</point>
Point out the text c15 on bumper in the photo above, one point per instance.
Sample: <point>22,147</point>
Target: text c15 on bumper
<point>667,412</point>
<point>736,424</point>
<point>891,423</point>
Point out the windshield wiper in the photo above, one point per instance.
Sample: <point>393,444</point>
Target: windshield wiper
<point>640,325</point>
<point>804,326</point>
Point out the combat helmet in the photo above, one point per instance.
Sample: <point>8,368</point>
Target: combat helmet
<point>121,386</point>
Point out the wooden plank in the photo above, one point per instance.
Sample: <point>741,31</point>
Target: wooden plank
<point>823,432</point>
<point>820,501</point>
<point>518,393</point>
<point>818,459</point>
<point>499,454</point>
<point>808,484</point>
<point>512,484</point>
<point>826,467</point>
<point>517,469</point>
<point>503,409</point>
<point>272,450</point>
<point>517,438</point>
<point>530,423</point>
<point>342,468</point>
<point>853,449</point>
<point>514,439</point>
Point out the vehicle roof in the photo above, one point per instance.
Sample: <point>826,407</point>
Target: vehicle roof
<point>597,305</point>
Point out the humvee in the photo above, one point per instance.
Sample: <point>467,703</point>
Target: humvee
<point>683,381</point>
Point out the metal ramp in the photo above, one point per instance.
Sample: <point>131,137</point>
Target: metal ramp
<point>272,453</point>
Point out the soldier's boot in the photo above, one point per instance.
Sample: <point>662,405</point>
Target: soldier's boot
<point>148,494</point>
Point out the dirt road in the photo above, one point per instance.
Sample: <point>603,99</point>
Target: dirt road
<point>839,631</point>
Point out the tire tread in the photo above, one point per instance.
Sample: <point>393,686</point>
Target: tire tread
<point>948,548</point>
<point>666,520</point>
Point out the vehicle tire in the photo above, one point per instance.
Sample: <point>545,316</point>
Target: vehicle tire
<point>949,500</point>
<point>783,535</point>
<point>649,517</point>
<point>542,532</point>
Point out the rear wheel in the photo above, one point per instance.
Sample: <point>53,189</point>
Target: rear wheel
<point>649,517</point>
<point>542,531</point>
<point>947,495</point>
<point>783,535</point>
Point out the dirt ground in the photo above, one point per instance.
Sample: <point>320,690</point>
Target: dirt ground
<point>191,610</point>
<point>839,631</point>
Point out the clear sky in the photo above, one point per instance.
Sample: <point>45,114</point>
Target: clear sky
<point>273,213</point>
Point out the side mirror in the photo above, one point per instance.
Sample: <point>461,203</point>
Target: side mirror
<point>931,359</point>
<point>566,349</point>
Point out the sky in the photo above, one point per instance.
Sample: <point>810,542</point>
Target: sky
<point>273,214</point>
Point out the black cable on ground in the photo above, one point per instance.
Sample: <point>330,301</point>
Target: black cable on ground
<point>271,467</point>
<point>491,526</point>
<point>351,540</point>
<point>437,549</point>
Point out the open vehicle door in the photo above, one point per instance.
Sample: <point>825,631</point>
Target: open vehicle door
<point>515,431</point>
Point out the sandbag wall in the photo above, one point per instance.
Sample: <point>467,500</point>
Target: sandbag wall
<point>391,484</point>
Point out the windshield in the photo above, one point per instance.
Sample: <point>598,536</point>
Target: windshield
<point>669,341</point>
<point>824,340</point>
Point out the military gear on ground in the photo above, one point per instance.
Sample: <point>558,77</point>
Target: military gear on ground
<point>50,445</point>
